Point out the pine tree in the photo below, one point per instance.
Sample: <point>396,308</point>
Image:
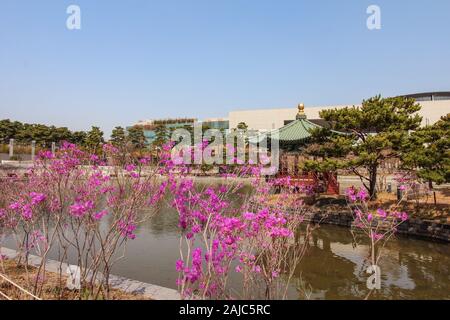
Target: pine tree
<point>427,151</point>
<point>118,137</point>
<point>136,137</point>
<point>94,140</point>
<point>375,132</point>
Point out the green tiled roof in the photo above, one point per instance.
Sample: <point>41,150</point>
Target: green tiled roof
<point>297,130</point>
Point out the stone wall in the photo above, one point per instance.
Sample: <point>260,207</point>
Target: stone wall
<point>433,230</point>
<point>426,229</point>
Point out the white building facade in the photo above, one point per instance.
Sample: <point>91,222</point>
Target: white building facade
<point>269,119</point>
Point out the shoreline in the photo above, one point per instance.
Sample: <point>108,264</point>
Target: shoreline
<point>428,230</point>
<point>126,285</point>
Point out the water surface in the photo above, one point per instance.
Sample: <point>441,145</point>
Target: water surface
<point>334,267</point>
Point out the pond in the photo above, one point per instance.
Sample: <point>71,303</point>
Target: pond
<point>333,268</point>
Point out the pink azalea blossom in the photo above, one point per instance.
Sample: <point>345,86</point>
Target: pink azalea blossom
<point>382,213</point>
<point>179,265</point>
<point>99,215</point>
<point>37,198</point>
<point>377,236</point>
<point>130,167</point>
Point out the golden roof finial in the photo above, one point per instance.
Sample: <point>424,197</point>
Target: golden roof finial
<point>301,111</point>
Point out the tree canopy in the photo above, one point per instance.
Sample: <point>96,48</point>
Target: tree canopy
<point>428,152</point>
<point>373,133</point>
<point>25,133</point>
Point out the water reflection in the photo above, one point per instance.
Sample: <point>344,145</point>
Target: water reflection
<point>410,269</point>
<point>334,267</point>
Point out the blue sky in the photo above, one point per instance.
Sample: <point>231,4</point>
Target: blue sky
<point>140,59</point>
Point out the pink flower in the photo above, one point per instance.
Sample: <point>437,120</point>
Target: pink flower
<point>27,213</point>
<point>145,160</point>
<point>134,175</point>
<point>16,205</point>
<point>350,193</point>
<point>45,155</point>
<point>377,236</point>
<point>94,158</point>
<point>404,216</point>
<point>369,217</point>
<point>99,215</point>
<point>257,269</point>
<point>238,269</point>
<point>79,209</point>
<point>281,232</point>
<point>179,265</point>
<point>382,213</point>
<point>196,228</point>
<point>249,216</point>
<point>37,198</point>
<point>126,229</point>
<point>130,167</point>
<point>110,148</point>
<point>362,195</point>
<point>402,187</point>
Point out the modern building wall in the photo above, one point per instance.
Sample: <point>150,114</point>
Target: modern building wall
<point>269,119</point>
<point>217,123</point>
<point>432,111</point>
<point>149,126</point>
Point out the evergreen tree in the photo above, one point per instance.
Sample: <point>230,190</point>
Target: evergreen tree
<point>375,132</point>
<point>94,140</point>
<point>428,152</point>
<point>161,138</point>
<point>78,138</point>
<point>118,137</point>
<point>136,137</point>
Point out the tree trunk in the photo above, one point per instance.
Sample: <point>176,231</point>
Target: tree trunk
<point>373,182</point>
<point>430,185</point>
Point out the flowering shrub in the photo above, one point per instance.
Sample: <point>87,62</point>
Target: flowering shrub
<point>220,237</point>
<point>377,225</point>
<point>86,207</point>
<point>74,202</point>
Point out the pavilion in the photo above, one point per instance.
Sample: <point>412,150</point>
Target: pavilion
<point>292,138</point>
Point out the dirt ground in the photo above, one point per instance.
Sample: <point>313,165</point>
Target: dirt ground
<point>24,279</point>
<point>422,207</point>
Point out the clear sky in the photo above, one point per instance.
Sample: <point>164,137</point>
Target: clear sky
<point>141,59</point>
